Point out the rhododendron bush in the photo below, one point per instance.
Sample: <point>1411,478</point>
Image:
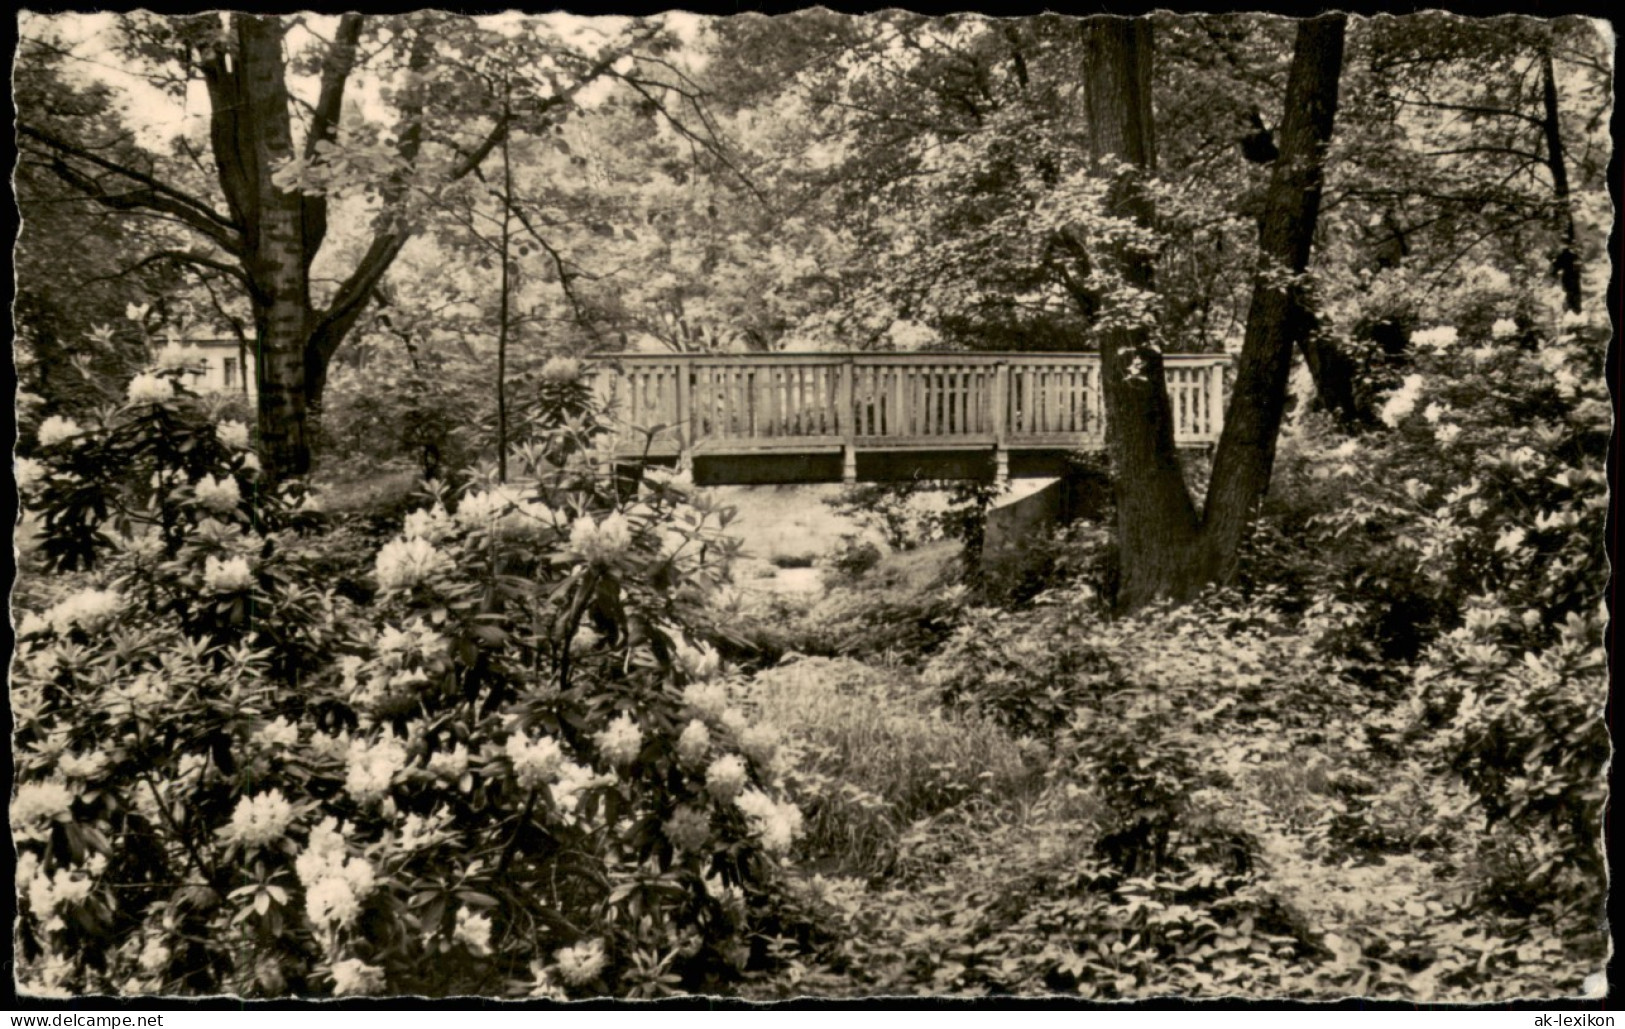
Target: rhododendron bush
<point>517,770</point>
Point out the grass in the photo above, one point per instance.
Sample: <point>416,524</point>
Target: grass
<point>876,753</point>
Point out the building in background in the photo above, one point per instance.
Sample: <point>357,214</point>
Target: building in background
<point>222,368</point>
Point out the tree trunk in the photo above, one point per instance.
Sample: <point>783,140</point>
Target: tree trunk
<point>1278,318</point>
<point>1166,550</point>
<point>277,256</point>
<point>1156,521</point>
<point>1333,373</point>
<point>1567,263</point>
<point>503,314</point>
<point>251,135</point>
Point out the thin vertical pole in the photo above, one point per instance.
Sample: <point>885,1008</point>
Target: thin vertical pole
<point>1000,403</point>
<point>849,442</point>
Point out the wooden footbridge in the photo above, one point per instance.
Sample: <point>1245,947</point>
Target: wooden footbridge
<point>879,417</point>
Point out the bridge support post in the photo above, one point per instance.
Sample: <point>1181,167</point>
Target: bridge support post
<point>1215,385</point>
<point>685,387</point>
<point>1000,415</point>
<point>848,426</point>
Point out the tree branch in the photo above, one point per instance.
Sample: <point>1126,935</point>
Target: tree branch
<point>325,121</point>
<point>157,195</point>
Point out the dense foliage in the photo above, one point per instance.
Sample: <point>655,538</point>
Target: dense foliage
<point>508,773</point>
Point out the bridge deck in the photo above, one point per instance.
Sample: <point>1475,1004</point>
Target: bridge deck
<point>799,417</point>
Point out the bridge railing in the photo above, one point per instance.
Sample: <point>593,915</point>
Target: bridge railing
<point>714,403</point>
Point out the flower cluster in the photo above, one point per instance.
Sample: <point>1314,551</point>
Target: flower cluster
<point>535,762</point>
<point>621,741</point>
<point>582,963</point>
<point>725,778</point>
<point>432,524</point>
<point>259,820</point>
<point>689,828</point>
<point>57,429</point>
<point>28,473</point>
<point>506,512</point>
<point>561,370</point>
<point>220,495</point>
<point>174,357</point>
<point>778,823</point>
<point>233,434</point>
<point>335,882</point>
<point>372,768</point>
<point>473,931</point>
<point>90,610</point>
<point>150,389</point>
<point>36,805</point>
<point>694,745</point>
<point>353,977</point>
<point>708,699</point>
<point>699,663</point>
<point>600,543</point>
<point>232,575</point>
<point>404,563</point>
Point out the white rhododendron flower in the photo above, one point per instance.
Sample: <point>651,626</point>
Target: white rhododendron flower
<point>561,370</point>
<point>278,733</point>
<point>418,832</point>
<point>353,977</point>
<point>689,828</point>
<point>621,740</point>
<point>36,805</point>
<point>150,389</point>
<point>694,744</point>
<point>232,434</point>
<point>1447,433</point>
<point>573,779</point>
<point>759,743</point>
<point>505,511</point>
<point>725,777</point>
<point>404,563</point>
<point>699,662</point>
<point>263,819</point>
<point>81,766</point>
<point>473,930</point>
<point>709,699</point>
<point>90,610</point>
<point>1437,338</point>
<point>57,429</point>
<point>582,963</point>
<point>414,637</point>
<point>1503,328</point>
<point>373,767</point>
<point>535,762</point>
<point>229,576</point>
<point>734,721</point>
<point>430,524</point>
<point>335,882</point>
<point>777,824</point>
<point>154,956</point>
<point>1402,401</point>
<point>28,473</point>
<point>449,765</point>
<point>220,495</point>
<point>332,902</point>
<point>600,542</point>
